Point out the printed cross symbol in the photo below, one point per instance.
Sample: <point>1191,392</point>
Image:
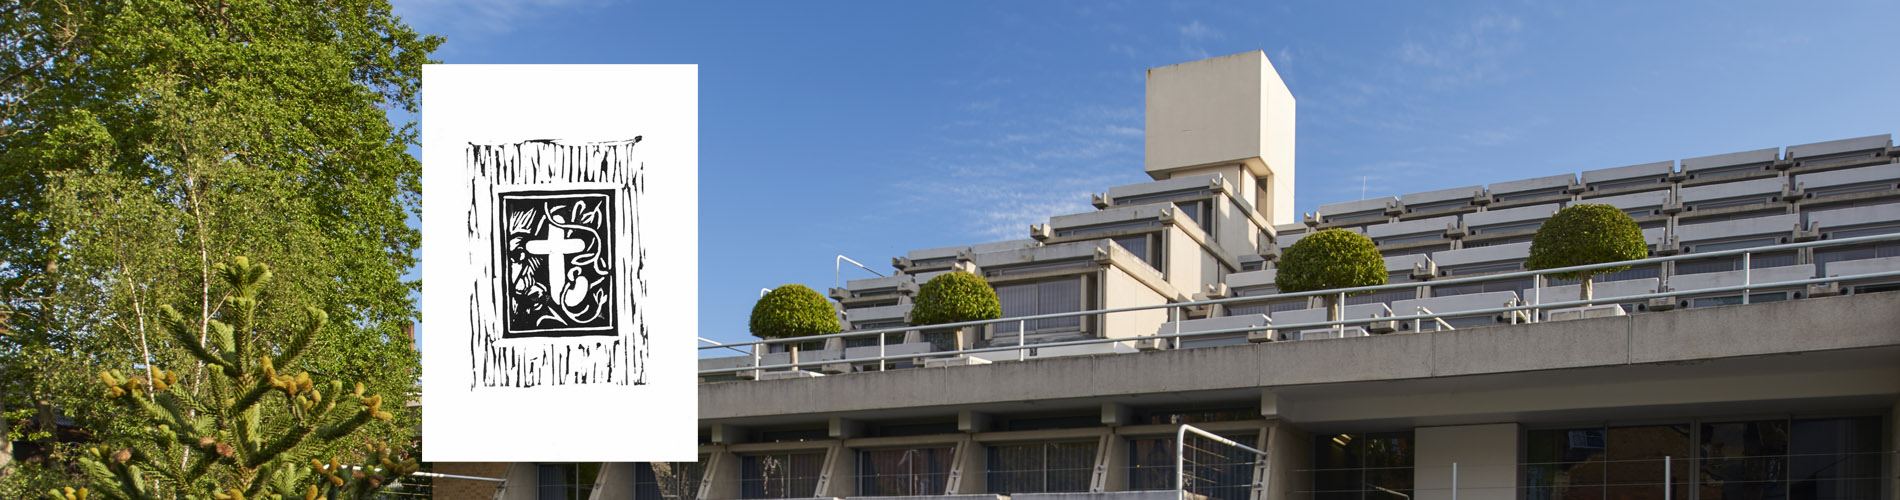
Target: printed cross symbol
<point>557,247</point>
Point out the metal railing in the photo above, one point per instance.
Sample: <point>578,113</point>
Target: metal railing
<point>1181,486</point>
<point>1531,309</point>
<point>1664,478</point>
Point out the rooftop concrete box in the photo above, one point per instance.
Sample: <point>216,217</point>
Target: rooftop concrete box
<point>1225,110</point>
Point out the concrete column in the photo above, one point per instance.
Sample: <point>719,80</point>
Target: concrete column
<point>968,467</point>
<point>721,480</point>
<point>839,477</point>
<point>1290,453</point>
<point>615,481</point>
<point>1486,456</point>
<point>520,481</point>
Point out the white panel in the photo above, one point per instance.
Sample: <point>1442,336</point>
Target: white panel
<point>1607,289</point>
<point>1729,159</point>
<point>1352,207</point>
<point>1863,266</point>
<point>1889,173</point>
<point>1774,224</point>
<point>1520,214</point>
<point>1250,279</point>
<point>1441,195</point>
<point>1432,225</point>
<point>1554,181</point>
<point>1840,146</point>
<point>1632,201</point>
<point>1495,253</point>
<point>1848,217</point>
<point>1454,303</point>
<point>1629,172</point>
<point>1738,189</point>
<point>1734,278</point>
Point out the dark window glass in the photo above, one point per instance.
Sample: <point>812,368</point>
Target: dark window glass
<point>1042,297</point>
<point>1363,466</point>
<point>1599,463</point>
<point>1214,469</point>
<point>780,475</point>
<point>1744,460</point>
<point>565,481</point>
<point>1835,459</point>
<point>667,480</point>
<point>1042,467</point>
<point>907,472</point>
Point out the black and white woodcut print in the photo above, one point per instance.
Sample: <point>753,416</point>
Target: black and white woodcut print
<point>554,231</point>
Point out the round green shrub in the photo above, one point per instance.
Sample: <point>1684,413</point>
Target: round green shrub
<point>1586,234</point>
<point>1334,258</point>
<point>955,297</point>
<point>793,311</point>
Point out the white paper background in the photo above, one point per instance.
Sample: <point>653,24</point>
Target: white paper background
<point>492,104</point>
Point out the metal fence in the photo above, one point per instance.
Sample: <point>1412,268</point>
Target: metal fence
<point>1529,309</point>
<point>1852,475</point>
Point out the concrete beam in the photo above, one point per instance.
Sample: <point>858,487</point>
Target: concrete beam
<point>1117,415</point>
<point>972,421</point>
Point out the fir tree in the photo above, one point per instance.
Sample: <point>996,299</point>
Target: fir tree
<point>233,427</point>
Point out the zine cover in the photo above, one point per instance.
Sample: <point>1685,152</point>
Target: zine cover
<point>559,301</point>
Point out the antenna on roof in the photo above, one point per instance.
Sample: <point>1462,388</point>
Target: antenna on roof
<point>1362,187</point>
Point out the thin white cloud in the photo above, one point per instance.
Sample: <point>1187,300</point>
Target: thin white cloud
<point>1476,53</point>
<point>1000,179</point>
<point>1197,31</point>
<point>462,20</point>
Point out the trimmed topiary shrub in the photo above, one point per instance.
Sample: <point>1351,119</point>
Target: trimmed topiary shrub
<point>793,311</point>
<point>1334,258</point>
<point>1586,234</point>
<point>955,297</point>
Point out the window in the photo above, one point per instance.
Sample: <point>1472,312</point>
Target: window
<point>565,481</point>
<point>1730,300</point>
<point>1744,459</point>
<point>1363,466</point>
<point>1734,263</point>
<point>1103,228</point>
<point>1605,462</point>
<point>1499,228</point>
<point>904,472</point>
<point>1041,467</point>
<point>668,480</point>
<point>1410,238</point>
<point>1215,470</point>
<point>1383,297</point>
<point>780,475</point>
<point>1825,256</point>
<point>1042,297</point>
<point>1426,207</point>
<point>890,338</point>
<point>1509,285</point>
<point>1146,247</point>
<point>1819,459</point>
<point>1267,308</point>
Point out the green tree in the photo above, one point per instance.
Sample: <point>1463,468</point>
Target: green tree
<point>793,310</point>
<point>1586,234</point>
<point>955,297</point>
<point>244,430</point>
<point>145,141</point>
<point>1334,258</point>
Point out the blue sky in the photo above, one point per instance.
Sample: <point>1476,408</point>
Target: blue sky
<point>869,129</point>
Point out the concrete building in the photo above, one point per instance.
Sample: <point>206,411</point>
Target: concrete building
<point>1771,374</point>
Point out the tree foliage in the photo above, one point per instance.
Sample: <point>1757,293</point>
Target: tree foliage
<point>243,429</point>
<point>793,310</point>
<point>1586,234</point>
<point>955,297</point>
<point>1334,258</point>
<point>145,141</point>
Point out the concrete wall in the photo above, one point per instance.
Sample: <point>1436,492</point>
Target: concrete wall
<point>1684,339</point>
<point>1118,289</point>
<point>1232,109</point>
<point>1184,259</point>
<point>1486,456</point>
